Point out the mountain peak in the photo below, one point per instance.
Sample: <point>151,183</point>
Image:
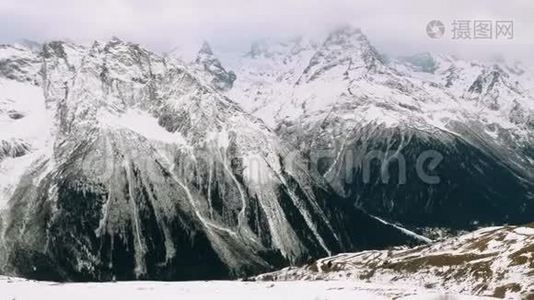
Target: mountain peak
<point>212,68</point>
<point>257,49</point>
<point>346,50</point>
<point>205,55</point>
<point>115,39</point>
<point>205,49</point>
<point>347,36</point>
<point>346,30</point>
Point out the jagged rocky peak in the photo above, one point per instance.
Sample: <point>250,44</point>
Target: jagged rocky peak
<point>498,90</point>
<point>62,49</point>
<point>218,76</point>
<point>487,80</point>
<point>347,51</point>
<point>127,61</point>
<point>351,38</point>
<point>205,50</point>
<point>62,58</point>
<point>92,85</point>
<point>347,35</point>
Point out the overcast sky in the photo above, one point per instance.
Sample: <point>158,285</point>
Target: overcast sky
<point>395,27</point>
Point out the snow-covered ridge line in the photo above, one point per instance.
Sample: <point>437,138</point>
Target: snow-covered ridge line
<point>497,261</point>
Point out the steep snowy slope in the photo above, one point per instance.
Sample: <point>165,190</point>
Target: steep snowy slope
<point>497,261</point>
<point>145,172</point>
<point>365,124</point>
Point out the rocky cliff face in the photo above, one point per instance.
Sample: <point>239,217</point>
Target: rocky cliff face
<point>138,170</point>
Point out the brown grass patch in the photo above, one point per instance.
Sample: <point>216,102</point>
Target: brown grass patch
<point>481,244</point>
<point>443,260</point>
<point>500,291</point>
<point>520,256</point>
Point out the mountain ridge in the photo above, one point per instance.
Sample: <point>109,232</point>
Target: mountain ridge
<point>147,173</point>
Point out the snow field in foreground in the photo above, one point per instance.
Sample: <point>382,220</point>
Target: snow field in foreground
<point>13,288</point>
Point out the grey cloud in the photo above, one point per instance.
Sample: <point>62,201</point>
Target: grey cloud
<point>395,27</point>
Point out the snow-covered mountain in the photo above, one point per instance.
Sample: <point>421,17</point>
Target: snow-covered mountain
<point>120,163</point>
<point>363,122</point>
<point>117,162</point>
<point>495,261</point>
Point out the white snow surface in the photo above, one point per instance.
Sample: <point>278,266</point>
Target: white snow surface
<point>25,125</point>
<point>142,123</point>
<point>15,288</point>
<point>28,102</point>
